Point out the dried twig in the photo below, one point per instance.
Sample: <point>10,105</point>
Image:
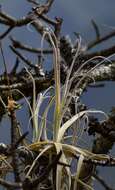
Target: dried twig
<point>96,28</point>
<point>105,53</point>
<point>22,57</point>
<point>100,40</point>
<point>6,32</point>
<point>18,44</point>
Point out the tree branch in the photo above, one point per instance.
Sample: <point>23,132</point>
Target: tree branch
<point>100,40</point>
<point>18,44</point>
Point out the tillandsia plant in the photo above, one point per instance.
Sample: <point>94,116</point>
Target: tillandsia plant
<point>53,144</point>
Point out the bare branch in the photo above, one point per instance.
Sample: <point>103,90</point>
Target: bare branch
<point>105,53</point>
<point>100,40</point>
<point>7,17</point>
<point>43,9</point>
<point>22,57</point>
<point>5,22</point>
<point>14,69</point>
<point>14,139</point>
<point>6,32</point>
<point>18,44</point>
<point>96,28</point>
<point>33,1</point>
